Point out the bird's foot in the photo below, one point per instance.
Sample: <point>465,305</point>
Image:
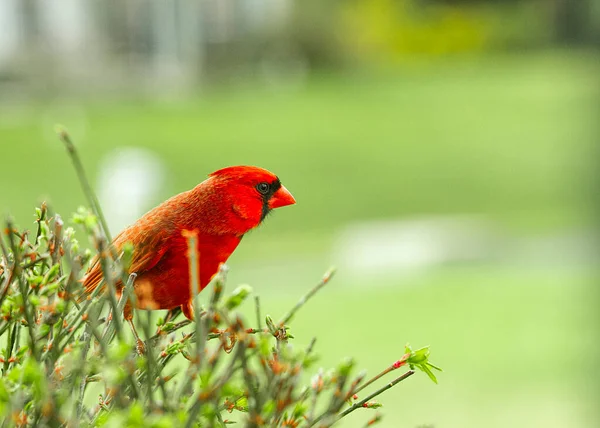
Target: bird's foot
<point>140,347</point>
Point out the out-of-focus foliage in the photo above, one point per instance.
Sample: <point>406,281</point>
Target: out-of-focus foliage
<point>398,29</point>
<point>171,46</point>
<point>407,30</point>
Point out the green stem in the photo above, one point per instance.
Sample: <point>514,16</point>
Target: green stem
<point>287,317</point>
<point>23,288</point>
<point>42,217</point>
<point>83,384</point>
<point>258,316</point>
<point>87,188</point>
<point>384,388</point>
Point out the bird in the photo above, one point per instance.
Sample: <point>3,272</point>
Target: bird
<point>220,211</point>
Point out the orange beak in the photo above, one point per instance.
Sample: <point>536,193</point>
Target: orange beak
<point>281,198</point>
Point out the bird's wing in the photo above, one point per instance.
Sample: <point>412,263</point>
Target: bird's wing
<point>148,249</point>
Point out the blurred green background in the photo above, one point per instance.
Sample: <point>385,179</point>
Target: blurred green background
<point>442,154</point>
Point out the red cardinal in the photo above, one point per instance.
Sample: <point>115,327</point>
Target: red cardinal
<point>221,210</point>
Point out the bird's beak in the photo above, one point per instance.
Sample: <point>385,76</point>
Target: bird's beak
<point>281,198</point>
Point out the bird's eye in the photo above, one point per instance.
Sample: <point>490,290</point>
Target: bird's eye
<point>263,188</point>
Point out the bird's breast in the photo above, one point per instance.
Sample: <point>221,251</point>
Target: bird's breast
<point>167,285</point>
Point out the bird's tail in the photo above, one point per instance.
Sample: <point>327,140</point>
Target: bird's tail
<point>92,279</point>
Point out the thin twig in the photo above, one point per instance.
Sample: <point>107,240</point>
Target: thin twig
<point>287,317</point>
<point>317,389</point>
<point>8,276</point>
<point>384,388</point>
<point>112,292</point>
<point>153,341</point>
<point>87,188</point>
<point>55,244</point>
<point>127,294</point>
<point>83,384</point>
<point>255,405</point>
<point>401,362</point>
<point>10,342</point>
<point>151,365</point>
<point>23,288</point>
<point>55,255</point>
<point>258,316</point>
<point>42,217</point>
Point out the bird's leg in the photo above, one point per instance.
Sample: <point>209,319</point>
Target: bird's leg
<point>128,315</point>
<point>188,310</point>
<point>172,314</point>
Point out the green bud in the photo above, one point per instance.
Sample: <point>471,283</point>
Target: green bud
<point>34,300</point>
<point>271,324</point>
<point>299,410</point>
<point>345,367</point>
<point>419,356</point>
<point>268,408</point>
<point>238,296</point>
<point>61,306</point>
<point>44,330</point>
<point>51,274</point>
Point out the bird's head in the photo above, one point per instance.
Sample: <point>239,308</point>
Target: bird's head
<point>252,192</point>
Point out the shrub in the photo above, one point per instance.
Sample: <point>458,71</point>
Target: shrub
<point>59,347</point>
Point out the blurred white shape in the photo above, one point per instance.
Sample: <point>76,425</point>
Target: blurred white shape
<point>380,247</point>
<point>65,27</point>
<point>267,15</point>
<point>128,182</point>
<point>10,24</point>
<point>572,248</point>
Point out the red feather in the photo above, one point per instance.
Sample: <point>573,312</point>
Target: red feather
<point>221,210</point>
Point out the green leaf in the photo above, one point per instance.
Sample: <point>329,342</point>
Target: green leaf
<point>345,367</point>
<point>434,366</point>
<point>425,368</point>
<point>136,415</point>
<point>242,404</point>
<point>419,356</point>
<point>300,410</point>
<point>44,330</point>
<point>238,296</point>
<point>271,325</point>
<point>309,360</point>
<point>4,396</point>
<point>208,411</point>
<point>229,389</point>
<point>51,274</point>
<point>34,299</point>
<point>269,408</point>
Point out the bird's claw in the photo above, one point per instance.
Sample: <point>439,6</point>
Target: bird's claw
<point>140,347</point>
